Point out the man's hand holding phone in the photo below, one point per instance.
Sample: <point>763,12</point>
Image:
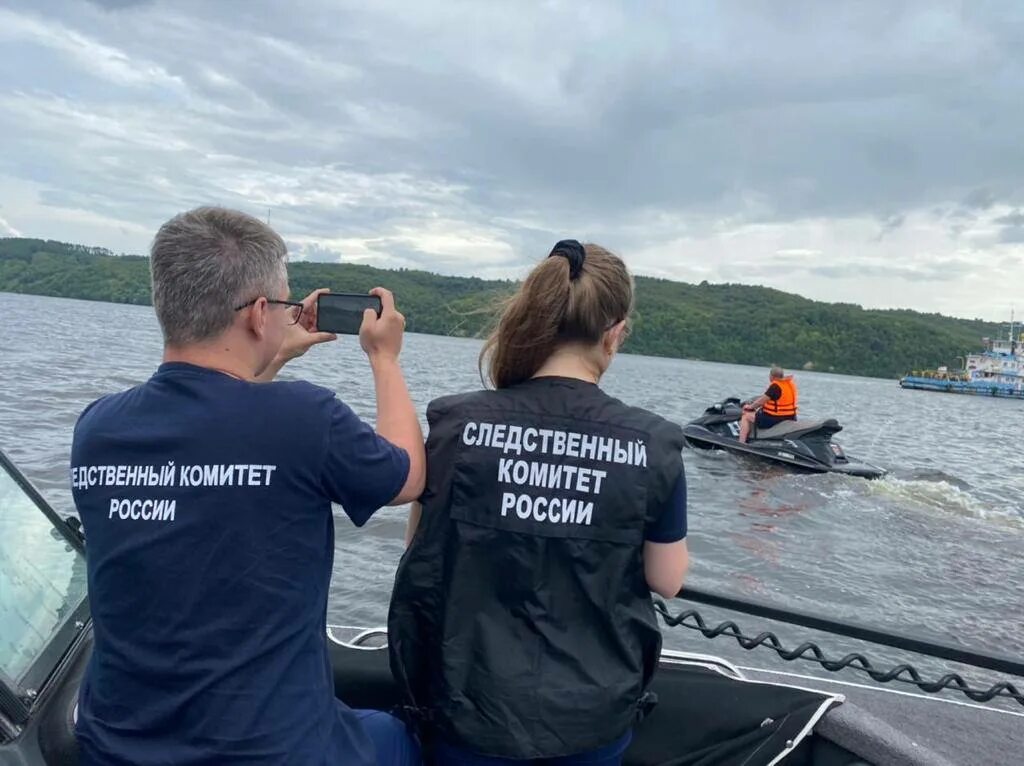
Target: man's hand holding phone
<point>381,335</point>
<point>301,337</point>
<point>298,338</point>
<point>325,314</point>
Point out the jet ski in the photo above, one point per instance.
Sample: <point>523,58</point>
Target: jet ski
<point>803,444</point>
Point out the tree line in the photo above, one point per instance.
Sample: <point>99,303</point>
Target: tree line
<point>742,324</point>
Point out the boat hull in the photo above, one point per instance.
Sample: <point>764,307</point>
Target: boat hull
<point>968,388</point>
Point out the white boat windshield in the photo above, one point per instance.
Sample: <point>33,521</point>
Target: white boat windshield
<point>42,585</point>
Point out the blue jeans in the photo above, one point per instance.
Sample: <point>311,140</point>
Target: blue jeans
<point>764,420</point>
<point>609,755</point>
<point>391,739</point>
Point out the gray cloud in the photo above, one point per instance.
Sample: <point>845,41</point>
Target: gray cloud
<point>980,199</point>
<point>936,271</point>
<point>490,126</point>
<point>1012,234</point>
<point>891,224</point>
<point>119,4</point>
<point>1016,218</point>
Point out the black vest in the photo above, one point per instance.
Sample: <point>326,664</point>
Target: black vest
<point>521,624</point>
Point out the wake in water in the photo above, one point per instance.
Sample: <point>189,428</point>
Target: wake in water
<point>928,490</point>
<point>936,476</point>
<point>938,491</point>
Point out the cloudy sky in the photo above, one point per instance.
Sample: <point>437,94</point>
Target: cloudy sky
<point>862,152</point>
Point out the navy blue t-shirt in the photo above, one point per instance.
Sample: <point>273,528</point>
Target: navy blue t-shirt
<point>206,506</point>
<point>670,527</point>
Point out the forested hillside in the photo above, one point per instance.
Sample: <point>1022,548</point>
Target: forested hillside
<point>721,322</point>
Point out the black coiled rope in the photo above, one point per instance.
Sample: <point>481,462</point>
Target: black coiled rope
<point>808,650</point>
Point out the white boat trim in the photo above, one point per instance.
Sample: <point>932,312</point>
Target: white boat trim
<point>356,641</point>
<point>831,699</point>
<point>808,727</point>
<point>673,657</point>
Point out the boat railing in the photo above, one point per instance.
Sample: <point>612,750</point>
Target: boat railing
<point>903,673</point>
<point>938,375</point>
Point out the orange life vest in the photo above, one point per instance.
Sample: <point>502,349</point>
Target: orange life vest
<point>785,405</point>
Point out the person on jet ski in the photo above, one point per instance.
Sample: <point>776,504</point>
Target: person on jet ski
<point>776,404</point>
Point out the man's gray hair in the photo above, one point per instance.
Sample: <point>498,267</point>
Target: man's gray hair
<point>205,263</point>
<point>775,373</point>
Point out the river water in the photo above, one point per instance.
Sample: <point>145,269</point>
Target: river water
<point>936,549</point>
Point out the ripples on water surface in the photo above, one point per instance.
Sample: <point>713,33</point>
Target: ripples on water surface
<point>935,549</point>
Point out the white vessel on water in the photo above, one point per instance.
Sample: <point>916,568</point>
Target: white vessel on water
<point>996,370</point>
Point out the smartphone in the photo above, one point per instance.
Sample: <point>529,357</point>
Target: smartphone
<point>342,313</point>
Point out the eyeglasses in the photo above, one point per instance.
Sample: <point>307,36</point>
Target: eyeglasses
<point>294,308</point>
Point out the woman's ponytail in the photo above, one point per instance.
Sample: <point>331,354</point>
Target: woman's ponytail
<point>575,296</point>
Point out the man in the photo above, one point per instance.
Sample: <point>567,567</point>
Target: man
<point>205,494</point>
<point>776,404</point>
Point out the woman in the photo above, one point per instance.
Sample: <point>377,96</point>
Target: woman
<point>521,622</point>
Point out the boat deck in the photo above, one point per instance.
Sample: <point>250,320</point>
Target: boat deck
<point>885,725</point>
<point>881,724</point>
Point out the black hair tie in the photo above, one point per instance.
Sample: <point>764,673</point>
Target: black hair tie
<point>573,252</point>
